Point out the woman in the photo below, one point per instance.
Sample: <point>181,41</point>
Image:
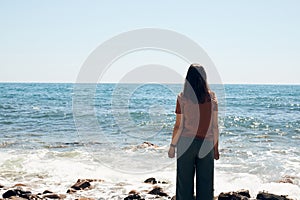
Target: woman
<point>195,136</point>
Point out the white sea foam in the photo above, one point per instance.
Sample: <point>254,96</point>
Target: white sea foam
<point>57,171</point>
<point>226,182</point>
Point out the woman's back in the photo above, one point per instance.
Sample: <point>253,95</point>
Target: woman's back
<point>197,116</point>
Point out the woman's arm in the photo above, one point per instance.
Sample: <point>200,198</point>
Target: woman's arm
<point>216,134</point>
<point>176,134</point>
<point>177,129</point>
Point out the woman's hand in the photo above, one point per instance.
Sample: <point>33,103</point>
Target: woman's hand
<point>216,154</point>
<point>171,152</point>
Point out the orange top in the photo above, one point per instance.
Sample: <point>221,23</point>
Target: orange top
<point>197,118</point>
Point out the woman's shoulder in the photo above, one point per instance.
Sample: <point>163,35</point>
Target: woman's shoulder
<point>181,97</point>
<point>213,96</point>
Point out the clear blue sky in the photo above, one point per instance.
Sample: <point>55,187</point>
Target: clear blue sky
<point>249,41</point>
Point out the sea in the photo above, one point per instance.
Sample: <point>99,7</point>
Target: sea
<point>52,134</point>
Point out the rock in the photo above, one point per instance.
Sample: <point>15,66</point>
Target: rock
<point>269,196</point>
<point>54,196</point>
<point>90,180</point>
<point>35,196</point>
<point>134,196</point>
<point>150,180</point>
<point>19,185</point>
<point>24,194</point>
<point>71,191</point>
<point>81,184</point>
<point>17,193</point>
<point>174,198</point>
<point>9,194</point>
<point>1,186</point>
<point>158,191</point>
<point>148,144</point>
<point>47,192</point>
<point>286,180</point>
<point>16,198</point>
<point>133,192</point>
<point>244,193</point>
<point>84,198</point>
<point>233,196</point>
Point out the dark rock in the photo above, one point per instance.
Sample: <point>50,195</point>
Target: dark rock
<point>149,144</point>
<point>150,180</point>
<point>71,191</point>
<point>158,191</point>
<point>9,193</point>
<point>23,194</point>
<point>47,192</point>
<point>244,193</point>
<point>162,182</point>
<point>269,196</point>
<point>232,196</point>
<point>35,196</point>
<point>134,196</point>
<point>53,196</point>
<point>90,180</point>
<point>1,186</point>
<point>81,184</point>
<point>18,193</point>
<point>133,192</point>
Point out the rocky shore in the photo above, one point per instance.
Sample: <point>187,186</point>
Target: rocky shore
<point>83,189</point>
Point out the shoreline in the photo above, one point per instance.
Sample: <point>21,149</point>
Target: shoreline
<point>99,189</point>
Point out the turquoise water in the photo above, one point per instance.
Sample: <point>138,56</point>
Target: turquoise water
<point>259,124</point>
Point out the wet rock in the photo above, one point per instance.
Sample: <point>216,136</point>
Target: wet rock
<point>47,192</point>
<point>133,192</point>
<point>158,191</point>
<point>54,196</point>
<point>150,180</point>
<point>234,195</point>
<point>81,184</point>
<point>35,197</point>
<point>9,194</point>
<point>16,198</point>
<point>133,197</point>
<point>19,185</point>
<point>148,144</point>
<point>17,193</point>
<point>269,196</point>
<point>286,180</point>
<point>90,180</point>
<point>244,193</point>
<point>71,191</point>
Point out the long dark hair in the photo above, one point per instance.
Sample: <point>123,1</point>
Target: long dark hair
<point>195,86</point>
